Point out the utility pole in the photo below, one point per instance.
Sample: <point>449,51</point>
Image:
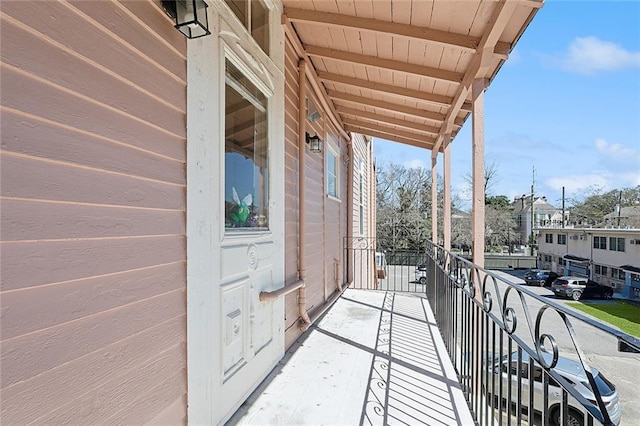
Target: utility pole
<point>563,207</point>
<point>619,208</point>
<point>533,215</point>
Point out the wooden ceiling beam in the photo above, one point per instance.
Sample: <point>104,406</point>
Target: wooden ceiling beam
<point>488,42</point>
<point>385,129</point>
<point>385,88</point>
<point>415,112</point>
<point>388,136</point>
<point>393,28</point>
<point>389,64</point>
<point>386,119</point>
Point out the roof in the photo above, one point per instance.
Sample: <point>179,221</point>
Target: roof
<point>523,204</point>
<point>575,258</point>
<point>625,212</point>
<point>630,268</point>
<point>403,70</point>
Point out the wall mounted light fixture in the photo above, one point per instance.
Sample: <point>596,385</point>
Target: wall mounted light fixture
<point>314,142</point>
<point>190,16</point>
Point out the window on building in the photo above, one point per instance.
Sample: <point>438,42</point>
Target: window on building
<point>547,258</point>
<point>548,238</point>
<point>600,270</point>
<point>332,170</point>
<point>246,148</point>
<point>254,16</point>
<point>600,243</point>
<point>617,274</point>
<point>616,244</point>
<point>562,261</point>
<point>361,196</point>
<point>562,239</point>
<point>635,277</point>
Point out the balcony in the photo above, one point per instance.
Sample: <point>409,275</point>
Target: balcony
<point>438,353</point>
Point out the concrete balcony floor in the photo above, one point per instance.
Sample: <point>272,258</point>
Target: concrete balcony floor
<point>373,358</point>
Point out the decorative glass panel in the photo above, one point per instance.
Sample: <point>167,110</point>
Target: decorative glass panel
<point>260,25</point>
<point>246,152</point>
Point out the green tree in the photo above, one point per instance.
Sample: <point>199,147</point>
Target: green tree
<point>591,208</point>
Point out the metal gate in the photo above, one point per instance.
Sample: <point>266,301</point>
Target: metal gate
<point>372,269</point>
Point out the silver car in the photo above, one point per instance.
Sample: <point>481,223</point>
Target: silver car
<point>573,372</point>
<point>580,288</point>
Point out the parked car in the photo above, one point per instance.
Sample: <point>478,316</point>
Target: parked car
<point>580,288</point>
<point>421,273</point>
<point>541,277</point>
<point>570,370</point>
<point>381,265</point>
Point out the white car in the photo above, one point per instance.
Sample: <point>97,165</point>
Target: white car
<point>421,273</point>
<point>572,371</point>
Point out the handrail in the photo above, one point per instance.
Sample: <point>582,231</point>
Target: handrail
<point>268,296</point>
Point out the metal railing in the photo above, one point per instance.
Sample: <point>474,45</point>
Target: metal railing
<point>499,335</point>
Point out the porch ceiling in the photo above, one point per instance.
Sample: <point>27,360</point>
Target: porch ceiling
<point>402,69</point>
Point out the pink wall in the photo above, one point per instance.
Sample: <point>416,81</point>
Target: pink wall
<point>93,214</point>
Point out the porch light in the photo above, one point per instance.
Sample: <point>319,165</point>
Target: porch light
<point>314,142</point>
<point>190,16</point>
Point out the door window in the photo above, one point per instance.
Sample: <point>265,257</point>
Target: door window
<point>246,168</point>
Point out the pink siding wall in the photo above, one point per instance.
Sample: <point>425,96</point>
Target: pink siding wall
<point>93,214</point>
<point>326,219</point>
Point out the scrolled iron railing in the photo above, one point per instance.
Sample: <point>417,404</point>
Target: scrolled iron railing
<point>499,335</point>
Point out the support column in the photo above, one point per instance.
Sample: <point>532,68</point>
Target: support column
<point>446,204</point>
<point>477,217</point>
<point>434,197</point>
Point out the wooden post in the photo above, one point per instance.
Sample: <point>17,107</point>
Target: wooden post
<point>446,204</point>
<point>477,220</point>
<point>434,197</point>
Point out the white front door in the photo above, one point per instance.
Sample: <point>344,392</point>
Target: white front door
<point>235,216</point>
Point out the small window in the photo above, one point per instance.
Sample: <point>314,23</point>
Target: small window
<point>600,270</point>
<point>618,274</point>
<point>616,244</point>
<point>254,16</point>
<point>548,238</point>
<point>562,239</point>
<point>600,243</point>
<point>332,171</point>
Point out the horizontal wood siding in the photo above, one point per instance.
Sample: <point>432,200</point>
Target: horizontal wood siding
<point>93,214</point>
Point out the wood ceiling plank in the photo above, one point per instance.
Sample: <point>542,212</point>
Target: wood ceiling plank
<point>389,137</point>
<point>382,24</point>
<point>385,88</point>
<point>385,129</point>
<point>416,112</point>
<point>390,64</point>
<point>387,119</point>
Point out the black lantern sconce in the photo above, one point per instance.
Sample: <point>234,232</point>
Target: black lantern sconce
<point>314,142</point>
<point>190,16</point>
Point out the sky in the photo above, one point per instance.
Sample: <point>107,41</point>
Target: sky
<point>566,103</point>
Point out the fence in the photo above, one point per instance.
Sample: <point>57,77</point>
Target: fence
<point>499,335</point>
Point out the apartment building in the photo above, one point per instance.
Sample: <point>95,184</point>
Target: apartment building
<point>609,256</point>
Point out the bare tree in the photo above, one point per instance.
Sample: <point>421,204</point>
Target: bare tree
<point>490,177</point>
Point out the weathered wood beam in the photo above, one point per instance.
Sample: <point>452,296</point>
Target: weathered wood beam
<point>416,112</point>
<point>389,64</point>
<point>379,128</point>
<point>386,119</point>
<point>388,136</point>
<point>393,28</point>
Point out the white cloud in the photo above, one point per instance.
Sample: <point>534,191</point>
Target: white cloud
<point>576,183</point>
<point>616,150</point>
<point>588,55</point>
<point>416,163</point>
